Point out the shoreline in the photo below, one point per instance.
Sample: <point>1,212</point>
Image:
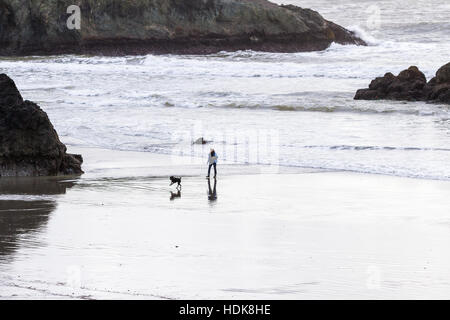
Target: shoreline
<point>193,165</point>
<point>99,161</point>
<point>188,46</point>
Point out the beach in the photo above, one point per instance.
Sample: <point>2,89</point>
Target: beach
<point>318,196</point>
<point>115,232</point>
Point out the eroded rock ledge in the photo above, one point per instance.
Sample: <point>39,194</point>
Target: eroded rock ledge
<point>409,85</point>
<point>115,27</point>
<point>29,145</point>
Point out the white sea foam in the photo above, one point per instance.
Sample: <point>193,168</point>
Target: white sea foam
<point>364,35</point>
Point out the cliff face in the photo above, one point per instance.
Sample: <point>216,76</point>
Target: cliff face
<point>179,26</point>
<point>29,145</point>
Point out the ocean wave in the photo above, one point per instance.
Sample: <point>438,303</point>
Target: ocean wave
<point>364,148</point>
<point>364,35</point>
<point>378,171</point>
<point>389,107</point>
<point>343,62</point>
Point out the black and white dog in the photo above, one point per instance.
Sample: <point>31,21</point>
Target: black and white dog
<point>174,180</point>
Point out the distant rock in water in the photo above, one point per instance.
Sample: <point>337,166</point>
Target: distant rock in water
<point>409,85</point>
<point>201,141</point>
<point>164,26</point>
<point>29,145</point>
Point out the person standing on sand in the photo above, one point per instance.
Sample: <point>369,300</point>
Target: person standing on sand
<point>212,161</point>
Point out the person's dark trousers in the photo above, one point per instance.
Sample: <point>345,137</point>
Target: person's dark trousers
<point>215,169</point>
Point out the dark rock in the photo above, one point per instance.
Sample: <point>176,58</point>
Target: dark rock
<point>440,93</point>
<point>409,85</point>
<point>201,141</point>
<point>443,74</point>
<point>411,75</point>
<point>29,145</point>
<point>377,88</point>
<point>439,89</point>
<point>161,26</point>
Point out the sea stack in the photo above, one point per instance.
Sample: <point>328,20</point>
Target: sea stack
<point>29,145</point>
<point>409,85</point>
<point>114,27</point>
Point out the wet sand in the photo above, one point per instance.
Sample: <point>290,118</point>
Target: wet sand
<point>120,231</point>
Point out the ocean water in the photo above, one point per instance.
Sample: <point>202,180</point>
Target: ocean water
<point>292,109</point>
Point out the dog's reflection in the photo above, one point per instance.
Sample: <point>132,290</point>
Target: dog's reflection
<point>212,193</point>
<point>174,195</point>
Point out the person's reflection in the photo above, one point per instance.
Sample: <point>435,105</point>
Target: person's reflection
<point>212,194</point>
<point>174,195</point>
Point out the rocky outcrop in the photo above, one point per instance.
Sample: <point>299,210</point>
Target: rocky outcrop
<point>438,88</point>
<point>409,85</point>
<point>29,145</point>
<point>161,26</point>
